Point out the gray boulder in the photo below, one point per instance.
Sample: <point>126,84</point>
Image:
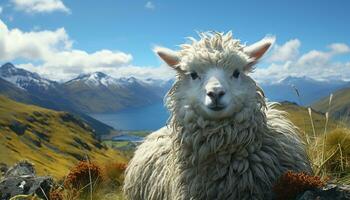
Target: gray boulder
<point>21,180</point>
<point>330,192</point>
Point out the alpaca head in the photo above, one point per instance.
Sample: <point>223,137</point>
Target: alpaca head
<point>212,74</point>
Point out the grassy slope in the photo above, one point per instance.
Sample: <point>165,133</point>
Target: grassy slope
<point>340,106</point>
<point>300,117</point>
<point>53,141</point>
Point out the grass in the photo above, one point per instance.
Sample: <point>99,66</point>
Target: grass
<point>88,180</point>
<point>329,146</point>
<point>125,147</point>
<point>139,133</point>
<point>308,126</point>
<point>116,144</point>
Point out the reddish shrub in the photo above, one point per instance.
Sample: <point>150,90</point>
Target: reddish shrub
<point>56,194</point>
<point>79,176</point>
<point>291,184</point>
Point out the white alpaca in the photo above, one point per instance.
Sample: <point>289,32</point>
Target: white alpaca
<point>223,141</point>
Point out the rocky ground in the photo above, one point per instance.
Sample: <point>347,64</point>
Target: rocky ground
<point>21,180</point>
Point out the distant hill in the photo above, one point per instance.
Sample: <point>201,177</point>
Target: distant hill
<point>340,105</point>
<point>300,117</point>
<point>310,90</point>
<point>53,141</point>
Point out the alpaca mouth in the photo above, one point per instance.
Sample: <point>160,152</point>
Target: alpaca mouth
<point>216,107</point>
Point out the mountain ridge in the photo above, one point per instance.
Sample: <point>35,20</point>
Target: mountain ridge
<point>302,90</point>
<point>339,108</point>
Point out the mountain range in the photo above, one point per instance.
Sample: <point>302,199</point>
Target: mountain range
<point>302,90</point>
<point>87,93</point>
<point>100,93</point>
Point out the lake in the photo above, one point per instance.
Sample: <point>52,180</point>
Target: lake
<point>126,137</point>
<point>147,118</point>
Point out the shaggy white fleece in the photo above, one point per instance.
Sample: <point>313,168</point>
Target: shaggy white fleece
<point>238,156</point>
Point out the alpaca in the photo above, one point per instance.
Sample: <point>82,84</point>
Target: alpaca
<point>222,140</point>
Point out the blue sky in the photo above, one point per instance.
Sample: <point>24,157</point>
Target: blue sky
<point>134,27</point>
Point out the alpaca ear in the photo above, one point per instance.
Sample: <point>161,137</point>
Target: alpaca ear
<point>258,49</point>
<point>169,56</point>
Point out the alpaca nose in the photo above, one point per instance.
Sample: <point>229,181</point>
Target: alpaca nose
<point>215,95</point>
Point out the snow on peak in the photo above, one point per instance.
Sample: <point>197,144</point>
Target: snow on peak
<point>22,78</point>
<point>96,79</point>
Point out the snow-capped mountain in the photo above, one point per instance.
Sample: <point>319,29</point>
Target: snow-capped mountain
<point>36,85</point>
<point>96,79</point>
<point>99,92</point>
<point>27,87</point>
<point>24,79</point>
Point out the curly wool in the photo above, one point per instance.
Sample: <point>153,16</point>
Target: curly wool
<point>234,158</point>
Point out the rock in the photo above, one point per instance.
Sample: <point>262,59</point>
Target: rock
<point>13,186</point>
<point>330,192</point>
<point>21,180</point>
<point>21,169</point>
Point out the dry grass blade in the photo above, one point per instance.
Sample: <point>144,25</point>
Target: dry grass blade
<point>43,193</point>
<point>312,124</point>
<point>325,161</point>
<point>341,157</point>
<point>325,127</point>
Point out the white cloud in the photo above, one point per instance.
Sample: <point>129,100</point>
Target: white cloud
<point>1,9</point>
<point>316,64</point>
<point>57,59</point>
<point>339,48</point>
<point>51,53</point>
<point>285,52</point>
<point>40,6</point>
<point>150,5</point>
<point>31,45</point>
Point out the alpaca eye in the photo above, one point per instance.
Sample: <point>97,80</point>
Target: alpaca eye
<point>235,73</point>
<point>194,75</point>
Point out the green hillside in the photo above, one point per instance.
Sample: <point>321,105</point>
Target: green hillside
<point>300,117</point>
<point>340,105</point>
<point>53,141</point>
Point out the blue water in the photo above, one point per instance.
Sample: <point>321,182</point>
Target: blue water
<point>132,138</point>
<point>148,118</point>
